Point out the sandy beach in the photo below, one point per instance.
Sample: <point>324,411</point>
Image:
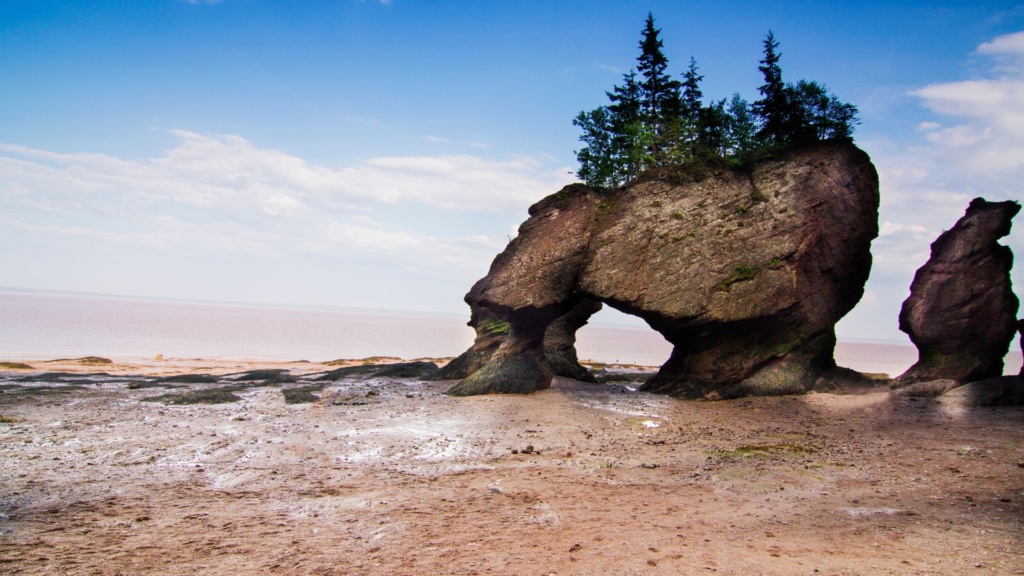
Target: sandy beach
<point>385,475</point>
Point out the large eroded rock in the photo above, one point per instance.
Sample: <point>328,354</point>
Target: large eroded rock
<point>559,343</point>
<point>962,313</point>
<point>745,272</point>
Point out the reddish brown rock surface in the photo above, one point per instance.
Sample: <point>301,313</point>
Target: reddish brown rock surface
<point>962,313</point>
<point>559,344</point>
<point>745,272</point>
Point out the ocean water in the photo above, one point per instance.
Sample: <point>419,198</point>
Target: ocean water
<point>50,325</point>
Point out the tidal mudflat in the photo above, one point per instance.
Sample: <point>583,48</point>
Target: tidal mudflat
<point>372,474</point>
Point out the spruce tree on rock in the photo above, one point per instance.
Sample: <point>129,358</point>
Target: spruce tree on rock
<point>654,120</point>
<point>774,108</point>
<point>599,160</point>
<point>690,108</point>
<point>692,94</point>
<point>713,131</point>
<point>659,93</point>
<point>630,140</point>
<point>741,129</point>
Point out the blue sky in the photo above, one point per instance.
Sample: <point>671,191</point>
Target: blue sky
<point>379,154</point>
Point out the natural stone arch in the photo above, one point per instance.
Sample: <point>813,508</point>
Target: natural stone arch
<point>614,340</point>
<point>745,272</point>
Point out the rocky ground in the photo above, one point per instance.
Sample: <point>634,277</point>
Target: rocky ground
<point>387,475</point>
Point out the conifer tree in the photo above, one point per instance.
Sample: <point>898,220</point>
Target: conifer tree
<point>630,140</point>
<point>773,108</point>
<point>742,128</point>
<point>659,93</point>
<point>688,125</point>
<point>713,131</point>
<point>598,159</point>
<point>692,94</point>
<point>655,120</point>
<point>842,118</point>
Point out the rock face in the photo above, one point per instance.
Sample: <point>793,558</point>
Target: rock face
<point>962,313</point>
<point>1020,329</point>
<point>999,391</point>
<point>559,343</point>
<point>745,272</point>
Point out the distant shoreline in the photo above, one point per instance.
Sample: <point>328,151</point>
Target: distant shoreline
<point>43,325</point>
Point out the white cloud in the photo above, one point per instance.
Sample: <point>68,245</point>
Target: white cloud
<point>1007,49</point>
<point>224,193</point>
<point>988,140</point>
<point>214,171</point>
<point>1007,44</point>
<point>456,182</point>
<point>975,148</point>
<point>889,228</point>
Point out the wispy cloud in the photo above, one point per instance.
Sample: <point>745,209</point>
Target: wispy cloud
<point>229,171</point>
<point>982,135</point>
<point>974,146</point>
<point>609,68</point>
<point>227,194</point>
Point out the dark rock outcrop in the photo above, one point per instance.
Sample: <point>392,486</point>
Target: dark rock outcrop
<point>560,341</point>
<point>1020,330</point>
<point>998,391</point>
<point>559,344</point>
<point>490,333</point>
<point>745,272</point>
<point>962,313</point>
<point>414,369</point>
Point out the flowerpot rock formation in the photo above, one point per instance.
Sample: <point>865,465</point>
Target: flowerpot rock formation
<point>744,271</point>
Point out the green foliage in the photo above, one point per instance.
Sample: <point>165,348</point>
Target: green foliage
<point>659,93</point>
<point>773,108</point>
<point>742,272</point>
<point>494,326</point>
<point>600,158</point>
<point>745,272</point>
<point>797,114</point>
<point>653,121</point>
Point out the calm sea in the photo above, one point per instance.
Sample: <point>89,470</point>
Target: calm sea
<point>46,326</point>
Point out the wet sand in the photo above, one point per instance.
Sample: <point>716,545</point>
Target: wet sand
<point>390,476</point>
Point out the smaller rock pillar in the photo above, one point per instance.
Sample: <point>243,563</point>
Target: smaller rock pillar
<point>962,312</point>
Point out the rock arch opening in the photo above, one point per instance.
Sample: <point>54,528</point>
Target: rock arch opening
<point>614,337</point>
<point>745,271</point>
